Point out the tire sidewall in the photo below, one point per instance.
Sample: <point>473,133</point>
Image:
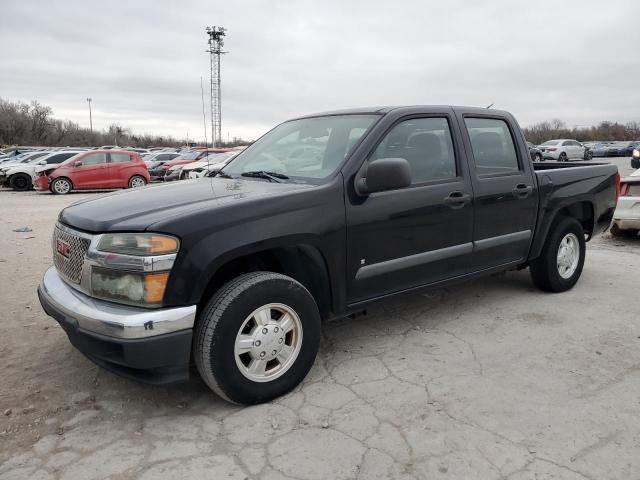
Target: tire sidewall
<point>133,178</point>
<point>18,176</point>
<point>564,226</point>
<point>61,179</point>
<point>234,384</point>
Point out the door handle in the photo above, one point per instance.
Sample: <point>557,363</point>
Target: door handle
<point>522,191</point>
<point>457,199</point>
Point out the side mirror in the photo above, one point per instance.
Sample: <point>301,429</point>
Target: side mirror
<point>384,174</point>
<point>77,163</point>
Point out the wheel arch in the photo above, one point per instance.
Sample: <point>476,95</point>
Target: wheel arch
<point>583,211</point>
<point>303,262</point>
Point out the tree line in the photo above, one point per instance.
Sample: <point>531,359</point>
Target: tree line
<point>604,131</point>
<point>32,124</point>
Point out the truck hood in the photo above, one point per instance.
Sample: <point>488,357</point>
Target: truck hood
<point>138,209</point>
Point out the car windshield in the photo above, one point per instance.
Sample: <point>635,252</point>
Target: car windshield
<point>310,149</point>
<point>551,142</point>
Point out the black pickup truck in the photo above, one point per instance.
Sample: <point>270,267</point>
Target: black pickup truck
<point>320,218</point>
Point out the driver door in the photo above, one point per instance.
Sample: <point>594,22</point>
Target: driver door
<point>419,235</point>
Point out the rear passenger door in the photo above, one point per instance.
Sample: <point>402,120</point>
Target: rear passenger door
<point>120,169</point>
<point>504,188</point>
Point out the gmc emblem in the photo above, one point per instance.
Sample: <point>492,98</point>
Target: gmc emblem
<point>63,248</point>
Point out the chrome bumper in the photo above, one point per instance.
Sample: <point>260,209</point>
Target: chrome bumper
<point>106,318</point>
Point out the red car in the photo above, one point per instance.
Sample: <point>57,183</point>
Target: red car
<point>94,169</point>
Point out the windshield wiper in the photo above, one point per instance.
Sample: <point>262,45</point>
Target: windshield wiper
<point>273,176</point>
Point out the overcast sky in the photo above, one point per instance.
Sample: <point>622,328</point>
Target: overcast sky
<point>141,60</point>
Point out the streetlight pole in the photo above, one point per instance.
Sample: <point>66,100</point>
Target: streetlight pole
<point>90,119</point>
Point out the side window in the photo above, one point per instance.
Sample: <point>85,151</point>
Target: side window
<point>120,157</point>
<point>60,158</point>
<point>94,159</point>
<point>423,142</point>
<point>493,149</point>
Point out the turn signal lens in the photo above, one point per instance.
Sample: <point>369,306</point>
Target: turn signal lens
<point>154,286</point>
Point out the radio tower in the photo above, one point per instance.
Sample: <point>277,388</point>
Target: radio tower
<point>216,42</point>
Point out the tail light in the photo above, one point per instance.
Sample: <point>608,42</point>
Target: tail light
<point>624,189</point>
<point>552,149</point>
<point>618,193</point>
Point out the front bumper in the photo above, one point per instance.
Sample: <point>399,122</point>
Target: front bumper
<point>173,176</point>
<point>41,183</point>
<point>152,346</point>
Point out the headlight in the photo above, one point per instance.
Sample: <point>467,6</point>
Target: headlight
<point>143,289</point>
<point>636,153</point>
<point>140,244</point>
<point>132,268</point>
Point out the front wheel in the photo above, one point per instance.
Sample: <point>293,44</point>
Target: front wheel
<point>61,186</point>
<point>257,337</point>
<point>538,158</point>
<point>588,155</point>
<point>559,266</point>
<point>137,181</point>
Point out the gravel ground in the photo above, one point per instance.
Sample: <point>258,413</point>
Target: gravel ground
<point>491,379</point>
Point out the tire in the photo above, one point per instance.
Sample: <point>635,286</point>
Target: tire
<point>563,157</point>
<point>61,186</point>
<point>546,272</point>
<point>231,313</point>
<point>21,182</point>
<point>538,158</point>
<point>137,181</point>
<point>588,155</point>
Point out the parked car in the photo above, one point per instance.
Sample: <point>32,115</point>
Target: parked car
<point>635,158</point>
<point>158,158</point>
<point>159,173</point>
<point>20,177</point>
<point>535,153</point>
<point>626,219</point>
<point>627,148</point>
<point>563,150</point>
<point>599,149</point>
<point>238,271</point>
<point>93,170</point>
<point>204,168</point>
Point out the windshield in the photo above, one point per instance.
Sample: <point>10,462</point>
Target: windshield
<point>551,142</point>
<point>309,148</point>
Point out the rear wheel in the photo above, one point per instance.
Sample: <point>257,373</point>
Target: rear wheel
<point>20,182</point>
<point>61,186</point>
<point>137,181</point>
<point>257,337</point>
<point>559,266</point>
<point>563,157</point>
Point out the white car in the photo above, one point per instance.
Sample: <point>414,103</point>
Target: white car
<point>20,176</point>
<point>627,214</point>
<point>213,163</point>
<point>563,150</point>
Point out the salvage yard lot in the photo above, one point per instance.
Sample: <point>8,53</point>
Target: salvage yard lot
<point>491,379</point>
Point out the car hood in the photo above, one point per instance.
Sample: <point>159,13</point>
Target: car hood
<point>139,209</point>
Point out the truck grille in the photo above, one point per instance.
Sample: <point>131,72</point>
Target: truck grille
<point>75,247</point>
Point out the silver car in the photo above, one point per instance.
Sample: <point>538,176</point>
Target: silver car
<point>627,214</point>
<point>563,150</point>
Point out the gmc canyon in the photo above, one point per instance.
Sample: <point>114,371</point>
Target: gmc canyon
<point>320,218</point>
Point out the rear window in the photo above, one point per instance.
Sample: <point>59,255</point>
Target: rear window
<point>494,151</point>
<point>551,142</point>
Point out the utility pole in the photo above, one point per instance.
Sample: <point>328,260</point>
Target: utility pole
<point>90,119</point>
<point>216,43</point>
